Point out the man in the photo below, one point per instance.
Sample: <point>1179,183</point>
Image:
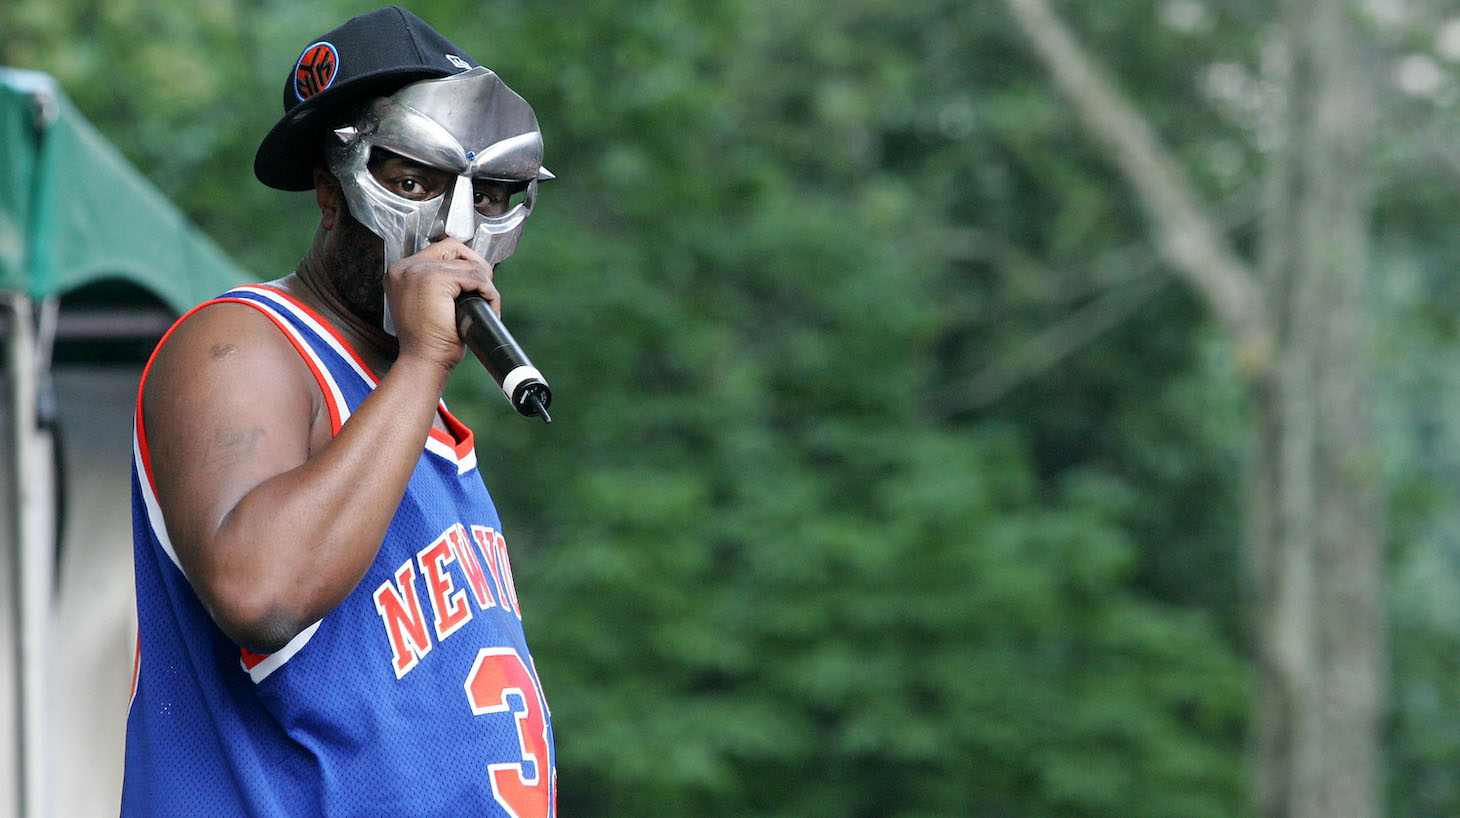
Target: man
<point>328,621</point>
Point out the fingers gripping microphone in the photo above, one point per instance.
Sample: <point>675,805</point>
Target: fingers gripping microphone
<point>484,334</point>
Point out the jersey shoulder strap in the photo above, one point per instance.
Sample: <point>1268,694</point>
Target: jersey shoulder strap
<point>343,377</point>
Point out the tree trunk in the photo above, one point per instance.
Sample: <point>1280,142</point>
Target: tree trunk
<point>1315,551</point>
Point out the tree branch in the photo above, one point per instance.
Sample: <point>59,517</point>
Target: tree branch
<point>1185,235</point>
<point>1050,346</point>
<point>1098,315</point>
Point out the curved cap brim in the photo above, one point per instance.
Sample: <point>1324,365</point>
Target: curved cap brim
<point>287,156</point>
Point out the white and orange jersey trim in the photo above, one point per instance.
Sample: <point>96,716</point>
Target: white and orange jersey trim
<point>458,447</point>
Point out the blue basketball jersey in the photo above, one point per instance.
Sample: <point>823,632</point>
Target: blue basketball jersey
<point>415,697</point>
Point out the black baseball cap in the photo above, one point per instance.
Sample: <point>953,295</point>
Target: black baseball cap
<point>371,55</point>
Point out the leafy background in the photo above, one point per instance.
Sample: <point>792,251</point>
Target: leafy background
<point>891,473</point>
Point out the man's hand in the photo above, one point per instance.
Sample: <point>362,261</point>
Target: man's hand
<point>422,289</point>
<point>274,521</point>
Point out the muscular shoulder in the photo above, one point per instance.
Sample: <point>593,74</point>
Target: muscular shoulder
<point>222,358</point>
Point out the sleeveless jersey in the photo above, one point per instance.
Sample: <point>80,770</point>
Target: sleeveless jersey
<point>415,697</point>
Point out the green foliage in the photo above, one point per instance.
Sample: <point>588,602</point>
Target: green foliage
<point>774,573</point>
<point>822,526</point>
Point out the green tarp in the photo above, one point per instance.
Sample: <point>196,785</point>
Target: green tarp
<point>74,212</point>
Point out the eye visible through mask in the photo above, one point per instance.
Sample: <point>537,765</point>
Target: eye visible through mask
<point>418,182</point>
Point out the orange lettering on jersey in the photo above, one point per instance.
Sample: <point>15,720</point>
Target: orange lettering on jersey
<point>405,622</point>
<point>500,544</point>
<point>499,682</point>
<point>487,540</point>
<point>448,603</point>
<point>476,577</point>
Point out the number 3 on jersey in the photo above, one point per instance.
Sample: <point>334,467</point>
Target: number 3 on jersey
<point>500,682</point>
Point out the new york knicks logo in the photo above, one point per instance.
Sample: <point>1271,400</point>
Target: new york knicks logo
<point>316,70</point>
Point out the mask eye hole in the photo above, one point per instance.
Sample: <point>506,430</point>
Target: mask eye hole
<point>408,178</point>
<point>495,198</point>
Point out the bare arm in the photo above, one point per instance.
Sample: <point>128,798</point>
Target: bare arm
<point>271,536</point>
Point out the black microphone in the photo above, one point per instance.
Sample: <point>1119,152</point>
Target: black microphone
<point>483,333</point>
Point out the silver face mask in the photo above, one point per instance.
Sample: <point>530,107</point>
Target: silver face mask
<point>471,125</point>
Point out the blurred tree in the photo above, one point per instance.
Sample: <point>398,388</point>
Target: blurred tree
<point>1314,546</point>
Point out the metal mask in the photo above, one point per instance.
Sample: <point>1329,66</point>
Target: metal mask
<point>470,124</point>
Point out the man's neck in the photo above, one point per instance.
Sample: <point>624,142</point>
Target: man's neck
<point>365,335</point>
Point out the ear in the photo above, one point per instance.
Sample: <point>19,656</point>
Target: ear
<point>329,195</point>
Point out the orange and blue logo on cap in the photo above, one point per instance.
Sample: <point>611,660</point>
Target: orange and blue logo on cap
<point>316,70</point>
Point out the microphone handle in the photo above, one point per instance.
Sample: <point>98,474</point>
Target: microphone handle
<point>488,339</point>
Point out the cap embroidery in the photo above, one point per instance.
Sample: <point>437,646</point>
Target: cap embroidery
<point>315,70</point>
<point>457,61</point>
